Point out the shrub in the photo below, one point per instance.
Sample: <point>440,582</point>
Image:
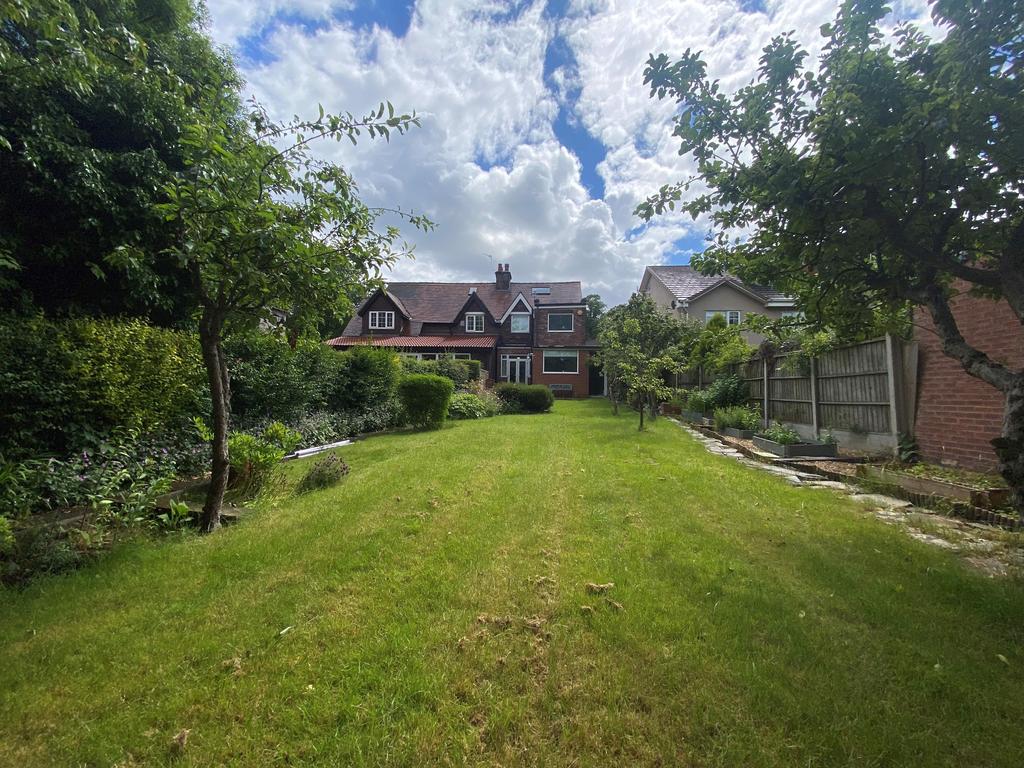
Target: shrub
<point>780,433</point>
<point>727,390</point>
<point>457,370</point>
<point>327,471</point>
<point>253,458</point>
<point>68,384</point>
<point>425,399</point>
<point>699,401</point>
<point>737,417</point>
<point>368,377</point>
<point>6,536</point>
<point>474,367</point>
<point>525,398</point>
<point>465,405</point>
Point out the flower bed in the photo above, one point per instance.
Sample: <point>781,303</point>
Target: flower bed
<point>984,497</point>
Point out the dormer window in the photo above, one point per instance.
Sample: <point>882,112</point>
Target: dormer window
<point>382,321</point>
<point>474,322</point>
<point>560,322</point>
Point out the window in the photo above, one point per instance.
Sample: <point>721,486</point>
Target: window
<point>561,361</point>
<point>520,322</point>
<point>459,355</point>
<point>382,321</point>
<point>732,316</point>
<point>792,313</point>
<point>475,322</point>
<point>560,322</point>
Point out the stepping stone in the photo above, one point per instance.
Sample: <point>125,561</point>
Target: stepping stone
<point>880,500</point>
<point>833,484</point>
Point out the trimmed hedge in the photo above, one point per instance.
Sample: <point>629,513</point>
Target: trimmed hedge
<point>425,399</point>
<point>67,384</point>
<point>526,398</point>
<point>461,372</point>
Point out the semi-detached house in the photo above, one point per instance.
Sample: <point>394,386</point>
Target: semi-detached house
<point>532,333</point>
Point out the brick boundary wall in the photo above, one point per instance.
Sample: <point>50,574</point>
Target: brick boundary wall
<point>957,414</point>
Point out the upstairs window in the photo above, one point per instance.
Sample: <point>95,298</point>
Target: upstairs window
<point>475,322</point>
<point>381,321</point>
<point>560,322</point>
<point>520,322</point>
<point>732,316</point>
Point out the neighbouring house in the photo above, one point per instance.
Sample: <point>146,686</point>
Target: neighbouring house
<point>531,333</point>
<point>685,292</point>
<point>957,414</point>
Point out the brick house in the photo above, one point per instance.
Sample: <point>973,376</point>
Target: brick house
<point>957,414</point>
<point>532,333</point>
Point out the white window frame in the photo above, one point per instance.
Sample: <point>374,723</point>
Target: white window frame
<point>474,315</point>
<point>460,355</point>
<point>375,324</point>
<point>728,314</point>
<point>514,315</point>
<point>561,353</point>
<point>572,322</point>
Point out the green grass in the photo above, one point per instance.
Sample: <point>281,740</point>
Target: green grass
<point>439,616</point>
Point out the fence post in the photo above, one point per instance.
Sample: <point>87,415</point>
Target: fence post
<point>764,391</point>
<point>814,398</point>
<point>890,365</point>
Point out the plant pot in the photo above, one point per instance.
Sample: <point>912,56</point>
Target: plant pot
<point>986,498</point>
<point>742,434</point>
<point>792,450</point>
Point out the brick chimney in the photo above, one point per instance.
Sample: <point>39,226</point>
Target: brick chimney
<point>502,278</point>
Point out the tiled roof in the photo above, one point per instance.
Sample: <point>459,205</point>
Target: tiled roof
<point>441,302</point>
<point>410,342</point>
<point>686,283</point>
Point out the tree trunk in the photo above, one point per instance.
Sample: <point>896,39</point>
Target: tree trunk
<point>653,403</point>
<point>211,327</point>
<point>641,427</point>
<point>1009,445</point>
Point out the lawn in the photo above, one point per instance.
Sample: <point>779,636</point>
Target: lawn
<point>433,610</point>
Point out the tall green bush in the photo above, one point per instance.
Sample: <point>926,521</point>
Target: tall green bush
<point>68,383</point>
<point>425,399</point>
<point>461,372</point>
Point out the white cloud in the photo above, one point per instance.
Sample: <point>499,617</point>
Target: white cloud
<point>486,165</point>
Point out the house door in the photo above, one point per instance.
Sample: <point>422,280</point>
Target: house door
<point>519,369</point>
<point>596,380</point>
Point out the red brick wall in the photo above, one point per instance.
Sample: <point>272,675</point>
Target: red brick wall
<point>580,381</point>
<point>546,338</point>
<point>957,414</point>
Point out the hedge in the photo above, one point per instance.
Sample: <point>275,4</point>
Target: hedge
<point>69,383</point>
<point>425,399</point>
<point>527,398</point>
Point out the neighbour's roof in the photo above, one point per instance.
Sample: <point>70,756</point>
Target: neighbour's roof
<point>442,302</point>
<point>409,342</point>
<point>687,284</point>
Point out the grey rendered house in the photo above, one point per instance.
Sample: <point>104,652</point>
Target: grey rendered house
<point>685,292</point>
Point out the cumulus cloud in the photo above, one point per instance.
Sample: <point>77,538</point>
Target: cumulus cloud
<point>487,165</point>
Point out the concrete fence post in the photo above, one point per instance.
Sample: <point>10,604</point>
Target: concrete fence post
<point>894,416</point>
<point>764,390</point>
<point>814,398</point>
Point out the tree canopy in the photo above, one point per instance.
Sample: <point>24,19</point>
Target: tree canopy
<point>888,175</point>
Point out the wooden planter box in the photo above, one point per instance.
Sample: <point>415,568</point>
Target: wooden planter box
<point>742,434</point>
<point>667,409</point>
<point>818,450</point>
<point>986,498</point>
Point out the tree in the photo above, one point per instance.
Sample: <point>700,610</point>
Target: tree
<point>890,176</point>
<point>94,96</point>
<point>595,311</point>
<point>639,345</point>
<point>261,223</point>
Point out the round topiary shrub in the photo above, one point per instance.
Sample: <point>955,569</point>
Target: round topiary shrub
<point>327,471</point>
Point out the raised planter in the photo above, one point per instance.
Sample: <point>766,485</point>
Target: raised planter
<point>742,434</point>
<point>792,450</point>
<point>695,417</point>
<point>667,409</point>
<point>986,498</point>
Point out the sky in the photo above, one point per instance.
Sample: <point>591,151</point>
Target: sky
<point>538,137</point>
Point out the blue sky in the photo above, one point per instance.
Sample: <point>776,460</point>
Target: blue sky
<point>538,137</point>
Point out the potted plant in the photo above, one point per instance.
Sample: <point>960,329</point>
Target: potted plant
<point>786,442</point>
<point>737,421</point>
